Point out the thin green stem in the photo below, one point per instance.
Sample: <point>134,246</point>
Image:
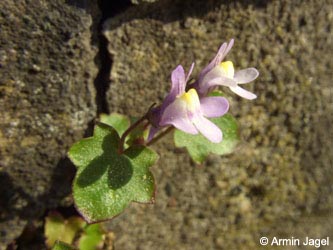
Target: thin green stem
<point>128,131</point>
<point>160,135</point>
<point>132,127</point>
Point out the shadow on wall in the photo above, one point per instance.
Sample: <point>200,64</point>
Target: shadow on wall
<point>11,195</point>
<point>18,206</point>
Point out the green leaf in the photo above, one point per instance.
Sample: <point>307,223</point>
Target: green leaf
<point>106,181</point>
<point>119,122</point>
<point>199,147</point>
<point>56,228</point>
<point>91,238</point>
<point>62,246</point>
<point>138,134</point>
<point>217,93</point>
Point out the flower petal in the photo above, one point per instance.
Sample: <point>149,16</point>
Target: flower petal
<point>220,55</point>
<point>218,72</point>
<point>153,130</point>
<point>217,59</point>
<point>243,93</point>
<point>204,88</point>
<point>230,44</point>
<point>246,75</point>
<point>176,114</point>
<point>208,129</point>
<point>189,72</point>
<point>214,106</point>
<point>222,81</point>
<point>178,85</point>
<point>217,76</point>
<point>178,80</point>
<point>222,52</point>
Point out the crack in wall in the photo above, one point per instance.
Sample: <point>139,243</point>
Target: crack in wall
<point>102,81</point>
<point>31,228</point>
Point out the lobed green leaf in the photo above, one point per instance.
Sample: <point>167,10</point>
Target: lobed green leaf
<point>199,147</point>
<point>106,181</point>
<point>119,122</point>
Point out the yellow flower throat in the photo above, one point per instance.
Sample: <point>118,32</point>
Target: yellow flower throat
<point>191,99</point>
<point>228,68</point>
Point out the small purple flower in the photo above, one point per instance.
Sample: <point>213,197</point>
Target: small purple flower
<point>178,80</point>
<point>223,73</point>
<point>187,112</point>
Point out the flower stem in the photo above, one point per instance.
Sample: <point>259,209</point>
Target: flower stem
<point>160,135</point>
<point>129,130</point>
<point>132,127</point>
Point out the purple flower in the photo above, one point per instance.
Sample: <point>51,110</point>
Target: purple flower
<point>223,73</point>
<point>156,113</point>
<point>187,112</point>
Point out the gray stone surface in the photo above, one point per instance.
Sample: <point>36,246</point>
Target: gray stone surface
<point>47,100</point>
<point>279,180</point>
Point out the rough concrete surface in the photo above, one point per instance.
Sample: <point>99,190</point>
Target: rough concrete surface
<point>277,183</point>
<point>47,100</point>
<point>279,180</point>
